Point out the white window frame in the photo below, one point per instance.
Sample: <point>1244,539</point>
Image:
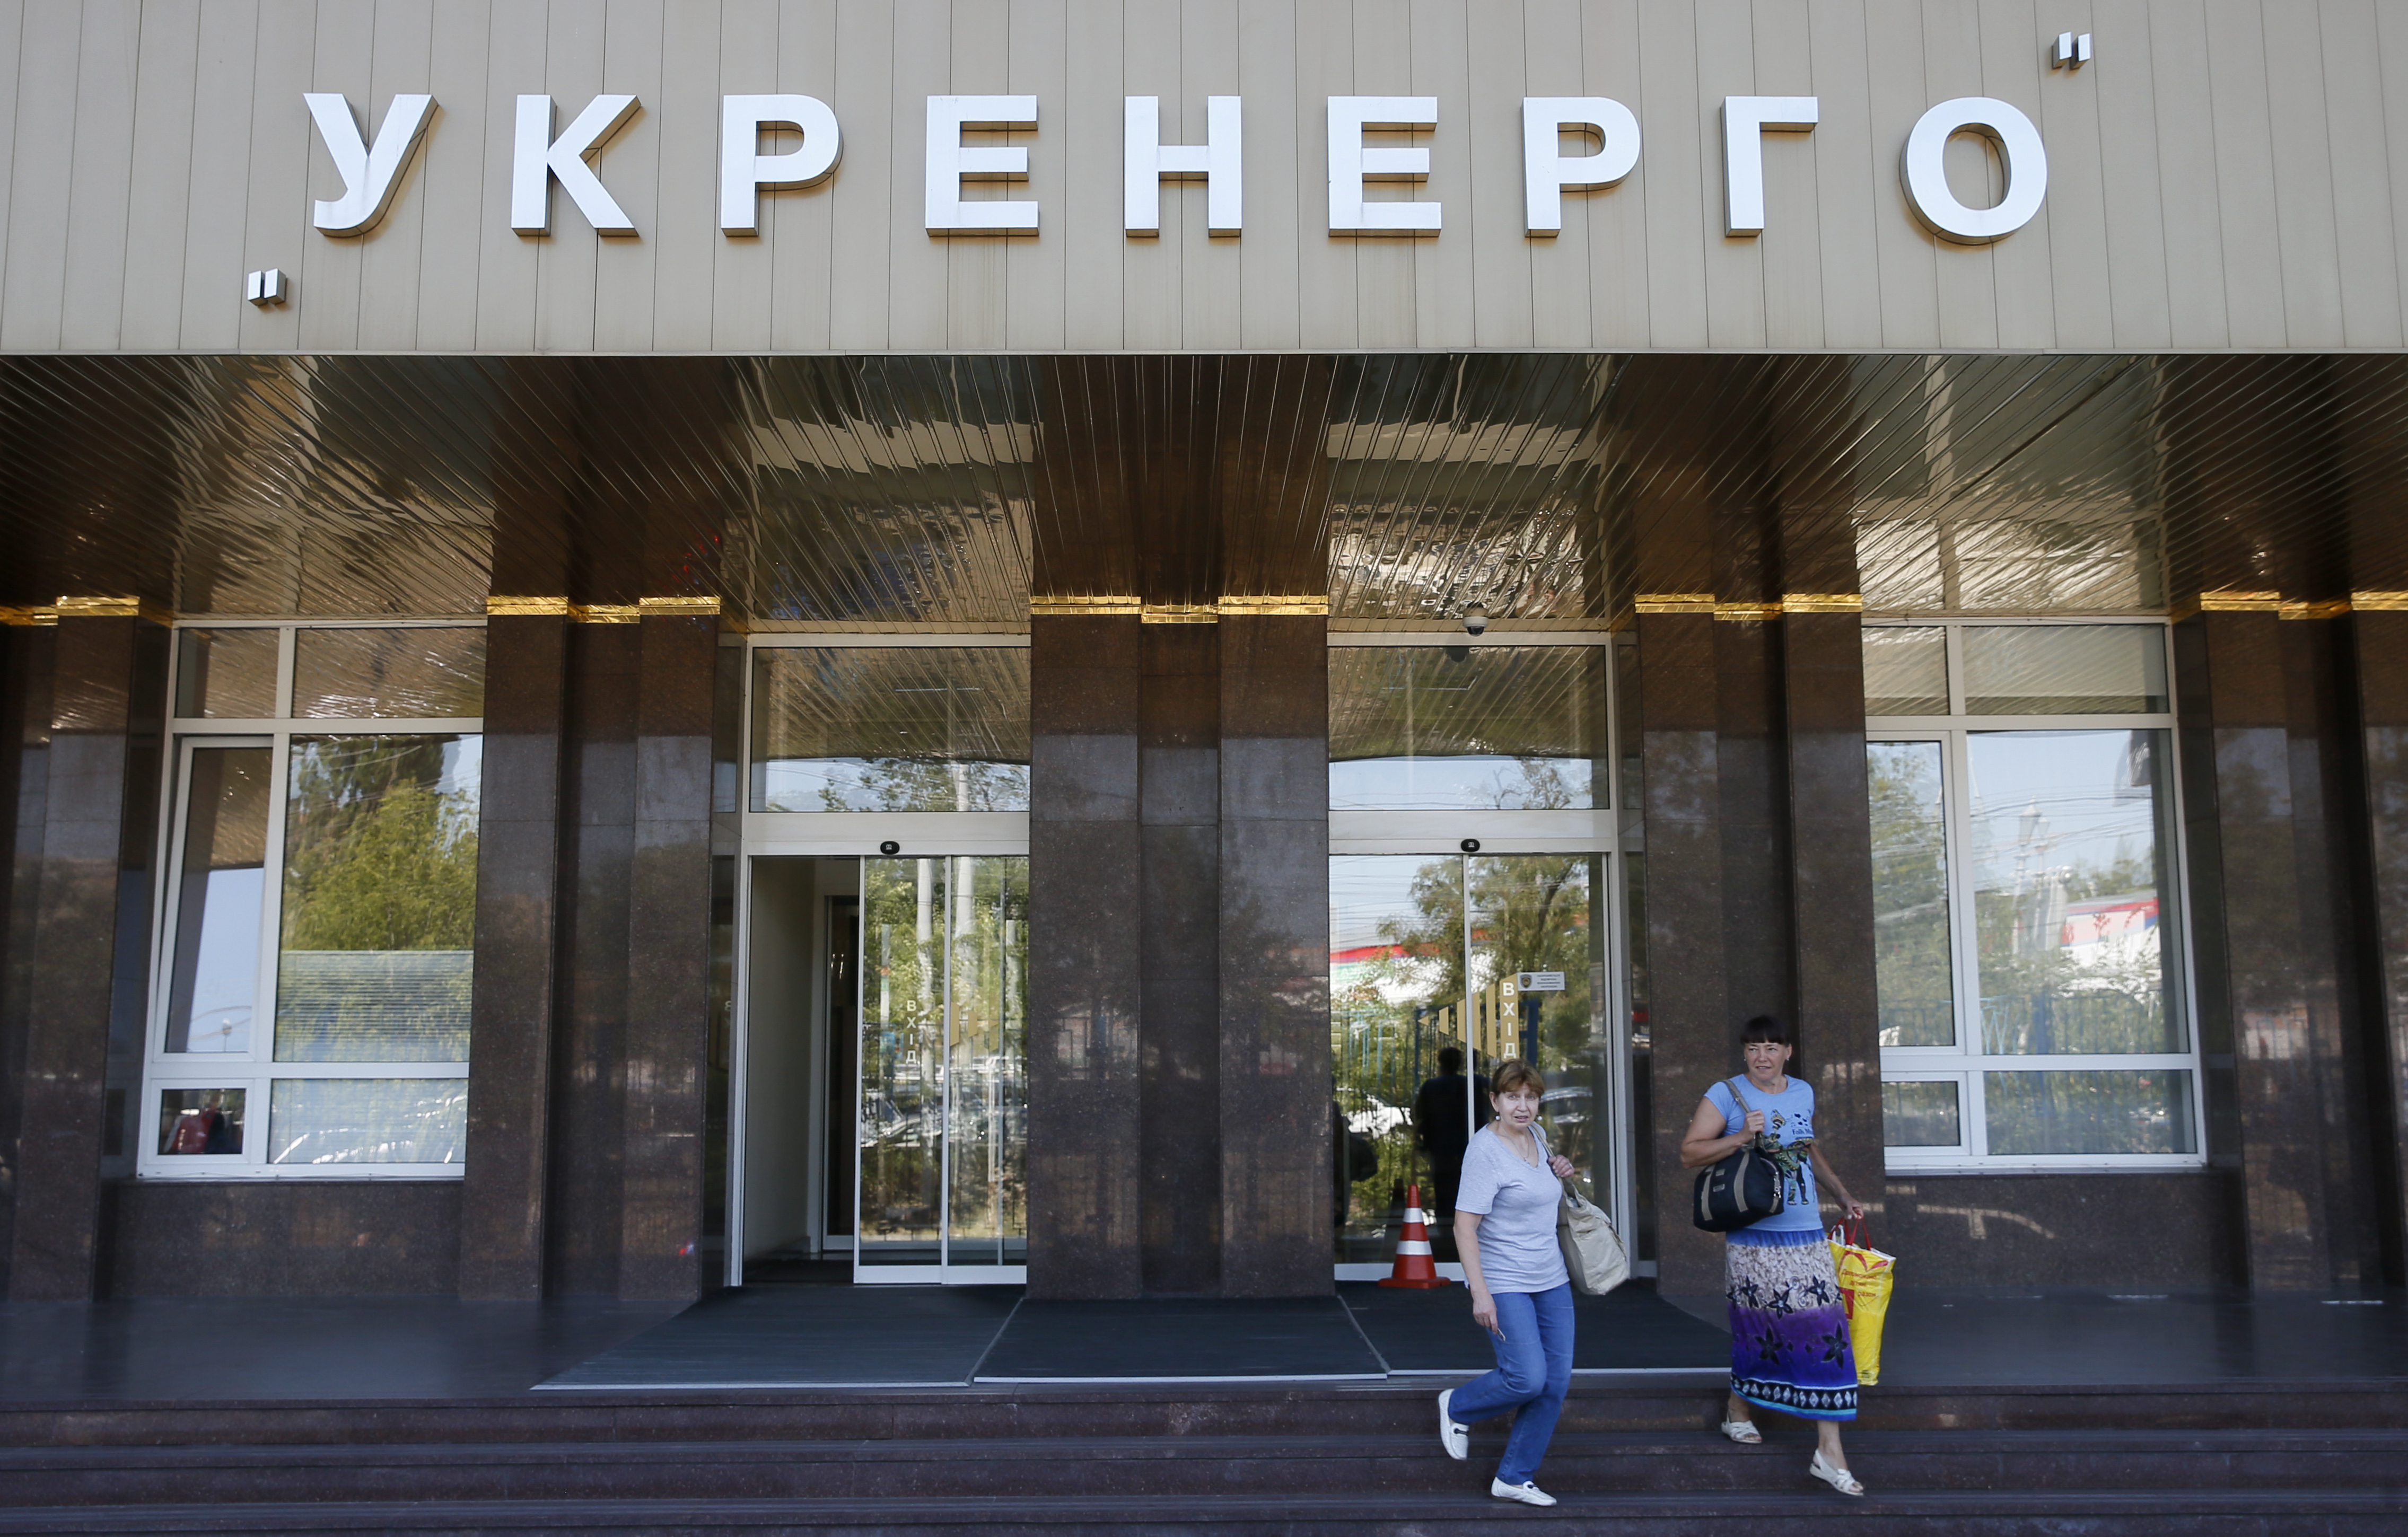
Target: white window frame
<point>852,835</point>
<point>1596,831</point>
<point>256,1071</point>
<point>1964,1062</point>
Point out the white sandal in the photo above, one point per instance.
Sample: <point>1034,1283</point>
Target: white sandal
<point>1743,1431</point>
<point>1839,1478</point>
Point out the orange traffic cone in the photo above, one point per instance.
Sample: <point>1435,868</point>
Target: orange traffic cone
<point>1413,1267</point>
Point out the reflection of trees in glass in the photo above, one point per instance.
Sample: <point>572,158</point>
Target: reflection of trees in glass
<point>1911,959</point>
<point>907,784</point>
<point>380,899</point>
<point>378,856</point>
<point>902,1043</point>
<point>990,1043</point>
<point>2031,1114</point>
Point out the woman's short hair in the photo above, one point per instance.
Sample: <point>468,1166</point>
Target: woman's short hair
<point>1764,1027</point>
<point>1513,1073</point>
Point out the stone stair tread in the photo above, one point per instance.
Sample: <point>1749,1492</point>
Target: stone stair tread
<point>2133,1509</point>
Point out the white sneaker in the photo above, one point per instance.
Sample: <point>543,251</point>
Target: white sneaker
<point>1455,1438</point>
<point>1526,1492</point>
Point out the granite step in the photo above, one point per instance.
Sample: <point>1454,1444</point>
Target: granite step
<point>1193,1467</point>
<point>2173,1512</point>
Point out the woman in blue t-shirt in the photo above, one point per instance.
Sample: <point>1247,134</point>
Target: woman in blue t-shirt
<point>1789,1324</point>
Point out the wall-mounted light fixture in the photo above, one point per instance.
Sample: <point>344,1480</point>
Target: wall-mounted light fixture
<point>265,288</point>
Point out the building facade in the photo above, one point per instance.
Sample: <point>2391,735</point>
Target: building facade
<point>650,644</point>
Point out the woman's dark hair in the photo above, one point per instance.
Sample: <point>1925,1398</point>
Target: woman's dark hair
<point>1764,1027</point>
<point>1513,1073</point>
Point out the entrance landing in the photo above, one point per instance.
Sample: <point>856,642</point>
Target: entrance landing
<point>796,1336</point>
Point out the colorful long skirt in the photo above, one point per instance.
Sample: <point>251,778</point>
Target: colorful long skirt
<point>1789,1324</point>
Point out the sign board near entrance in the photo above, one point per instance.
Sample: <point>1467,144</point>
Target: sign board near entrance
<point>526,177</point>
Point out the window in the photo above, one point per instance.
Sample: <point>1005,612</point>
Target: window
<point>316,1024</point>
<point>2029,949</point>
<point>930,728</point>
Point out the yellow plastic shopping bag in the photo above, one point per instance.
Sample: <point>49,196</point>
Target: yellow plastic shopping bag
<point>1864,1291</point>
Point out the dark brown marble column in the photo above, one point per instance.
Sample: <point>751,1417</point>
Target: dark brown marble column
<point>85,972</point>
<point>518,892</point>
<point>1831,885</point>
<point>1274,956</point>
<point>1179,773</point>
<point>668,960</point>
<point>2253,990</point>
<point>2381,655</point>
<point>1687,1002</point>
<point>25,716</point>
<point>1086,897</point>
<point>584,1174</point>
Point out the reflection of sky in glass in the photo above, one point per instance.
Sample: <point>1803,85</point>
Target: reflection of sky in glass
<point>225,972</point>
<point>1451,784</point>
<point>1442,728</point>
<point>1369,892</point>
<point>2064,801</point>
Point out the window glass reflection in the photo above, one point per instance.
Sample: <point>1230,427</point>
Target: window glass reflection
<point>890,729</point>
<point>1906,669</point>
<point>226,674</point>
<point>2069,834</point>
<point>2065,669</point>
<point>1442,728</point>
<point>1913,982</point>
<point>200,1121</point>
<point>213,984</point>
<point>2057,1114</point>
<point>988,984</point>
<point>367,1120</point>
<point>1920,1114</point>
<point>389,674</point>
<point>380,898</point>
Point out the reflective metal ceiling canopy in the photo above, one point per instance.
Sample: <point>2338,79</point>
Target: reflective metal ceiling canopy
<point>868,492</point>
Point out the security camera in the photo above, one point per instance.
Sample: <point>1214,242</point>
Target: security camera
<point>1475,620</point>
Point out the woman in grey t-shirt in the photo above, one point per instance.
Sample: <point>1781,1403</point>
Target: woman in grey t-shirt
<point>1505,1230</point>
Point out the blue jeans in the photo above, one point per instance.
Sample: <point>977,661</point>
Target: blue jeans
<point>1534,1370</point>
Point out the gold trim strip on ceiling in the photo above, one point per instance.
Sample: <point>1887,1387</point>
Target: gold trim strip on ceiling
<point>605,613</point>
<point>1674,603</point>
<point>538,607</point>
<point>2379,603</point>
<point>112,607</point>
<point>2229,602</point>
<point>1822,603</point>
<point>12,614</point>
<point>684,604</point>
<point>1042,608</point>
<point>1746,613</point>
<point>1179,613</point>
<point>1307,605</point>
<point>2325,608</point>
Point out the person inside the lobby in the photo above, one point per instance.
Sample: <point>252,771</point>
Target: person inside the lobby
<point>1790,1348</point>
<point>1442,1128</point>
<point>1521,1294</point>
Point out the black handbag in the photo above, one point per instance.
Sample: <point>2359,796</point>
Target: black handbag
<point>1742,1189</point>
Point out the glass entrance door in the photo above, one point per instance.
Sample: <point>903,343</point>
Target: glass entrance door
<point>1440,961</point>
<point>943,1123</point>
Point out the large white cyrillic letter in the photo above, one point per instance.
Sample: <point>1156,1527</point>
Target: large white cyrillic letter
<point>1746,122</point>
<point>1547,172</point>
<point>1147,163</point>
<point>1926,176</point>
<point>537,158</point>
<point>743,169</point>
<point>1351,164</point>
<point>951,164</point>
<point>369,175</point>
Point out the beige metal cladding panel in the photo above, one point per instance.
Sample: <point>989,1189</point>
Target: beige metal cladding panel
<point>2225,173</point>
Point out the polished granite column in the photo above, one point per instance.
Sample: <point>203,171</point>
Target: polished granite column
<point>668,960</point>
<point>2380,648</point>
<point>518,901</point>
<point>1753,803</point>
<point>1831,889</point>
<point>1687,1002</point>
<point>1179,773</point>
<point>2265,1109</point>
<point>26,671</point>
<point>1274,956</point>
<point>582,1204</point>
<point>1086,898</point>
<point>84,966</point>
